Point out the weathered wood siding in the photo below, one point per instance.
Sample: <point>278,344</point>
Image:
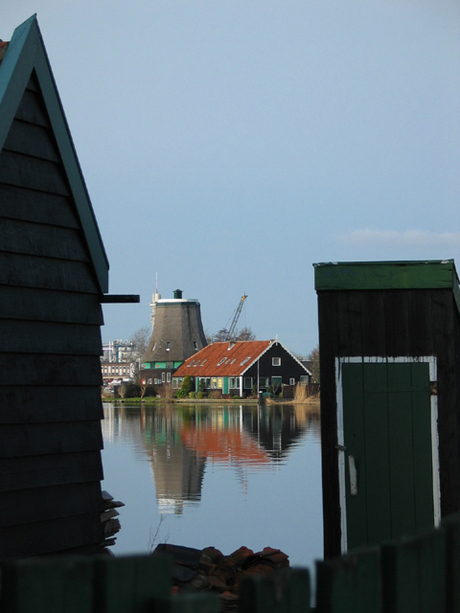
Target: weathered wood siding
<point>289,367</point>
<point>50,317</point>
<point>416,322</point>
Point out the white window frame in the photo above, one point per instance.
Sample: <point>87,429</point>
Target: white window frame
<point>276,361</point>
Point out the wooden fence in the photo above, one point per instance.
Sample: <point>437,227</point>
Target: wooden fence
<point>413,575</point>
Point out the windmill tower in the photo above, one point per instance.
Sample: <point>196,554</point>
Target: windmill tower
<point>177,334</point>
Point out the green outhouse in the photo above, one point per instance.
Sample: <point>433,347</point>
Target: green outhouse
<point>389,335</point>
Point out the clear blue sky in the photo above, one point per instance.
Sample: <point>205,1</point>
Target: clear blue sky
<point>227,145</point>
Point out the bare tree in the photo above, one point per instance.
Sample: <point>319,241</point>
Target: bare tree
<point>245,334</point>
<point>140,340</point>
<point>313,358</point>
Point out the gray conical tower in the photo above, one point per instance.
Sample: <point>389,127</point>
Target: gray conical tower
<point>177,330</point>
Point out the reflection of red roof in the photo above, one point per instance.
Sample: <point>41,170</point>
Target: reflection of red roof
<point>224,445</point>
<point>228,359</point>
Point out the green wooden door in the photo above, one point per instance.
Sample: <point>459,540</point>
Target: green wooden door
<point>387,461</point>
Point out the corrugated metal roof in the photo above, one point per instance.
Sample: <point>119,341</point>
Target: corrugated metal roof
<point>226,359</point>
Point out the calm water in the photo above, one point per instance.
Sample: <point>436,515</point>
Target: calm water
<point>224,476</point>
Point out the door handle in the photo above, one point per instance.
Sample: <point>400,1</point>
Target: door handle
<point>353,476</point>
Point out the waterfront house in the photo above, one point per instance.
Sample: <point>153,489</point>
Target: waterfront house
<point>53,275</point>
<point>238,368</point>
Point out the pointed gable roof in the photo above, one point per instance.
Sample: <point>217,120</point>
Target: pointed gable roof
<point>226,359</point>
<point>26,55</point>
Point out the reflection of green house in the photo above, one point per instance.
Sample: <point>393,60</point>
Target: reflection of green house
<point>236,368</point>
<point>390,399</point>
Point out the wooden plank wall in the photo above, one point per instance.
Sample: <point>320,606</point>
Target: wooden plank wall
<point>409,575</point>
<point>389,323</point>
<point>50,317</point>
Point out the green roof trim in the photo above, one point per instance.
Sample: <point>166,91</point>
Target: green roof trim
<point>26,54</point>
<point>432,274</point>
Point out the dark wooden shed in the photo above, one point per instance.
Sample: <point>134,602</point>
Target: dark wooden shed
<point>53,274</point>
<point>389,336</point>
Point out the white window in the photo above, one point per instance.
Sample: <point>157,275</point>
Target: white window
<point>168,346</point>
<point>264,381</point>
<point>233,384</point>
<point>163,377</point>
<point>276,361</point>
<point>245,360</point>
<point>291,381</point>
<point>149,381</point>
<point>169,377</point>
<point>195,345</point>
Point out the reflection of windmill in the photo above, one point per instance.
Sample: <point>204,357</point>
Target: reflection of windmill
<point>178,474</point>
<point>177,471</point>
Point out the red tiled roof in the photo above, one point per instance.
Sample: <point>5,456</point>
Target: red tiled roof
<point>223,359</point>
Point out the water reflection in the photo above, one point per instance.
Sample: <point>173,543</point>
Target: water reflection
<point>181,440</point>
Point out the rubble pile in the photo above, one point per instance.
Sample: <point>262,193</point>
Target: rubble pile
<point>208,569</point>
<point>110,523</point>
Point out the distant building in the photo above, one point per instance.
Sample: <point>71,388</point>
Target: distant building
<point>115,373</point>
<point>177,334</point>
<point>118,351</point>
<point>236,367</point>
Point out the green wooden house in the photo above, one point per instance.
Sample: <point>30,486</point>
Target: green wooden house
<point>390,405</point>
<point>53,275</point>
